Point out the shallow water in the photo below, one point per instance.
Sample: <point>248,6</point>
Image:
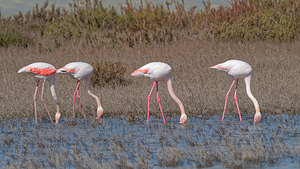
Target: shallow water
<point>117,143</point>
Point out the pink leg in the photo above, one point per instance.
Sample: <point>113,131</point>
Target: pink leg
<point>227,99</point>
<point>78,82</point>
<point>34,99</point>
<point>78,97</point>
<point>158,100</point>
<point>235,98</point>
<point>149,98</point>
<point>42,98</point>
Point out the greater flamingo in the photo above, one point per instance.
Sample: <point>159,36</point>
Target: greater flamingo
<point>159,71</point>
<point>43,71</point>
<point>81,71</point>
<point>239,70</point>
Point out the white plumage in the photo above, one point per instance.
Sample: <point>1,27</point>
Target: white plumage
<point>239,70</point>
<point>43,71</point>
<point>159,71</point>
<point>156,71</point>
<point>81,71</point>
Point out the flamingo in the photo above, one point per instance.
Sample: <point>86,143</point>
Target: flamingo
<point>81,71</point>
<point>239,70</point>
<point>43,71</point>
<point>159,71</point>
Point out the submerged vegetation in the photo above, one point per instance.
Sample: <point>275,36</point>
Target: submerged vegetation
<point>242,20</point>
<point>117,143</point>
<point>117,42</point>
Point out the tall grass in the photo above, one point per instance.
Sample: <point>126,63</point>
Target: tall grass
<point>10,35</point>
<point>250,20</point>
<point>242,20</point>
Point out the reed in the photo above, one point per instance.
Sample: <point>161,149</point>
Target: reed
<point>242,20</point>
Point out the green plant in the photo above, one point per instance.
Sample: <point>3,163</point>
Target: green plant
<point>250,20</point>
<point>10,36</point>
<point>89,20</point>
<point>109,74</point>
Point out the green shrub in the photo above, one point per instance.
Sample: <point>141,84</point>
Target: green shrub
<point>109,74</point>
<point>10,36</point>
<point>249,20</point>
<point>242,20</point>
<point>144,24</point>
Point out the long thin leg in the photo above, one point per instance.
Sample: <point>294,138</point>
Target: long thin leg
<point>158,100</point>
<point>42,98</point>
<point>78,82</point>
<point>149,98</point>
<point>78,97</point>
<point>34,99</point>
<point>227,99</point>
<point>235,98</point>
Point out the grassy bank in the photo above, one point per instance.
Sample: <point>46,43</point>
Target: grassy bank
<point>242,20</point>
<point>275,81</point>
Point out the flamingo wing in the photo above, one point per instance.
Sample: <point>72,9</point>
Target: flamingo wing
<point>39,68</point>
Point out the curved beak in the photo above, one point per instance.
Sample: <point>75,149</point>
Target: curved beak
<point>183,118</point>
<point>61,70</point>
<point>65,70</point>
<point>99,113</point>
<point>213,67</point>
<point>139,72</point>
<point>218,67</point>
<point>57,117</point>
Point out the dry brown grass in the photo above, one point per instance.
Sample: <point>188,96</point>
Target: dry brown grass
<point>275,81</point>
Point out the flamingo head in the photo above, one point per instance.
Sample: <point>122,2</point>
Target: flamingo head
<point>57,117</point>
<point>65,70</point>
<point>183,118</point>
<point>139,72</point>
<point>219,67</point>
<point>257,117</point>
<point>99,112</point>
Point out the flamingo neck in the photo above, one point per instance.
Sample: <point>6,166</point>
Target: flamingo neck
<point>53,93</point>
<point>88,83</point>
<point>249,93</point>
<point>94,96</point>
<point>52,88</point>
<point>170,89</point>
<point>87,87</point>
<point>99,109</point>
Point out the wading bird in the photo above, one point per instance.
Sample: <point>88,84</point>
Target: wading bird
<point>239,70</point>
<point>159,71</point>
<point>43,71</point>
<point>81,71</point>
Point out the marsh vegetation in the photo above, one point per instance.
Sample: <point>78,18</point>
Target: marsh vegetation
<point>117,44</point>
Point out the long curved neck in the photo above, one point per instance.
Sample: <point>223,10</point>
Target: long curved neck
<point>94,96</point>
<point>249,93</point>
<point>170,89</point>
<point>87,87</point>
<point>53,93</point>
